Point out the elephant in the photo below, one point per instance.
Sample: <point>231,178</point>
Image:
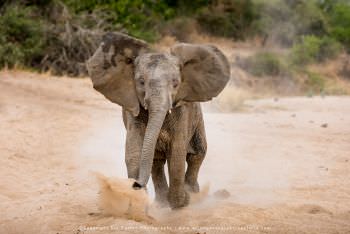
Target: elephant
<point>160,95</point>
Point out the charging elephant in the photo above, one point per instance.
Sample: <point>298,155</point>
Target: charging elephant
<point>160,95</point>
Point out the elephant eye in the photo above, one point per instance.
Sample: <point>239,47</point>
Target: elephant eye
<point>142,81</point>
<point>175,83</point>
<point>128,60</point>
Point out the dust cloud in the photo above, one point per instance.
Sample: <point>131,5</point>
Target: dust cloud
<point>117,198</point>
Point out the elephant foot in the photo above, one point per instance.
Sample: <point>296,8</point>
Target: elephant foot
<point>192,187</point>
<point>178,200</point>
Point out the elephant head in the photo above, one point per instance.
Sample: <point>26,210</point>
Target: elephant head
<point>127,72</point>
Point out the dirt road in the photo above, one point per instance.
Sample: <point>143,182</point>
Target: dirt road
<point>285,163</point>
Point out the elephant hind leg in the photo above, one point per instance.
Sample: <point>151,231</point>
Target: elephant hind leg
<point>194,162</point>
<point>195,158</point>
<point>159,179</point>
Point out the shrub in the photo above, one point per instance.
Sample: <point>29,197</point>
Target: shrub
<point>21,37</point>
<point>329,48</point>
<point>309,18</point>
<point>265,63</point>
<point>340,23</point>
<point>283,21</point>
<point>47,38</point>
<point>313,49</point>
<point>228,18</point>
<point>306,51</point>
<point>138,17</point>
<point>274,21</point>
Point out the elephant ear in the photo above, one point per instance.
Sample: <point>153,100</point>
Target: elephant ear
<point>111,69</point>
<point>205,72</point>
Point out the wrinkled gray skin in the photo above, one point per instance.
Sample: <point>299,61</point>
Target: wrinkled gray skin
<point>160,95</point>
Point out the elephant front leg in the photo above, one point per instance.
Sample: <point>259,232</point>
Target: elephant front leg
<point>133,149</point>
<point>177,195</point>
<point>159,179</point>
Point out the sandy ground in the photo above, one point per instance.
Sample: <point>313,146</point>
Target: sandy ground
<point>285,172</point>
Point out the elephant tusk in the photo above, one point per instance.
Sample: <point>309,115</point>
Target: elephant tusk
<point>169,111</point>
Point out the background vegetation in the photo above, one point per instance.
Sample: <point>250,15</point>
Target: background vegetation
<point>59,35</point>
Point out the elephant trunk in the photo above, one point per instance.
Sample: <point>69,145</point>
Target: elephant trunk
<point>156,118</point>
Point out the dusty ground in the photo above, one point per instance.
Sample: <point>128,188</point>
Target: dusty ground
<point>285,172</point>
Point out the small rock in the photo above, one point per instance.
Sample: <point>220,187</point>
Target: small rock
<point>324,125</point>
<point>276,99</point>
<point>324,168</point>
<point>314,209</point>
<point>293,115</point>
<point>222,194</point>
<point>311,121</point>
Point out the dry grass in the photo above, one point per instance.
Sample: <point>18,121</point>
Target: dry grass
<point>224,44</point>
<point>335,83</point>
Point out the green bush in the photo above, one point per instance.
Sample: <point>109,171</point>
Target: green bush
<point>21,37</point>
<point>313,49</point>
<point>61,34</point>
<point>265,64</point>
<point>283,21</point>
<point>340,23</point>
<point>306,51</point>
<point>228,18</point>
<point>138,17</point>
<point>145,18</point>
<point>329,49</point>
<point>309,18</point>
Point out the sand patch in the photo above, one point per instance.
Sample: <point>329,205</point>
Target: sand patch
<point>275,173</point>
<point>199,197</point>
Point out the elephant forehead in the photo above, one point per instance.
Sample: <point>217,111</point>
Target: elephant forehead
<point>152,60</point>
